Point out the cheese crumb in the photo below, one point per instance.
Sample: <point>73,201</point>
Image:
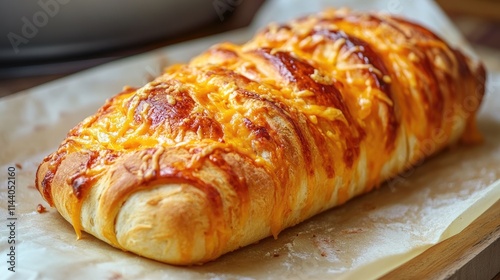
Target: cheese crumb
<point>171,100</point>
<point>305,93</point>
<point>413,57</point>
<point>320,78</point>
<point>439,62</point>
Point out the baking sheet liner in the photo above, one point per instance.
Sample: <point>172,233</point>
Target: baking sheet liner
<point>363,239</point>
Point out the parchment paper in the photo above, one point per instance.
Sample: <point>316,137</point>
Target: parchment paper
<point>363,239</point>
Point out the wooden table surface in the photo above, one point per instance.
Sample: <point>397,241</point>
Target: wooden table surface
<point>472,254</point>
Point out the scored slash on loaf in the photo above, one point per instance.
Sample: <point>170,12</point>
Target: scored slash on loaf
<point>247,140</point>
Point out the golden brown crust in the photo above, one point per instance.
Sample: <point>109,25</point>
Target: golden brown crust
<point>245,141</point>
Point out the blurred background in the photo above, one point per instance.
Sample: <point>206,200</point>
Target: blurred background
<point>42,40</point>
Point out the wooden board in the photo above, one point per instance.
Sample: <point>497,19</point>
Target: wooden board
<point>485,9</point>
<point>472,254</point>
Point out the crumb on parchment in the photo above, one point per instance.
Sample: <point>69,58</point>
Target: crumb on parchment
<point>40,208</point>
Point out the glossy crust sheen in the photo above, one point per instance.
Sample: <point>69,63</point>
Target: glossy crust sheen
<point>245,141</point>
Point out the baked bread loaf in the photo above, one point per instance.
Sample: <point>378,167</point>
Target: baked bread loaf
<point>247,140</point>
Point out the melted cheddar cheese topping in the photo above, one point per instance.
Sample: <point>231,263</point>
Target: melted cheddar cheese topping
<point>328,91</point>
